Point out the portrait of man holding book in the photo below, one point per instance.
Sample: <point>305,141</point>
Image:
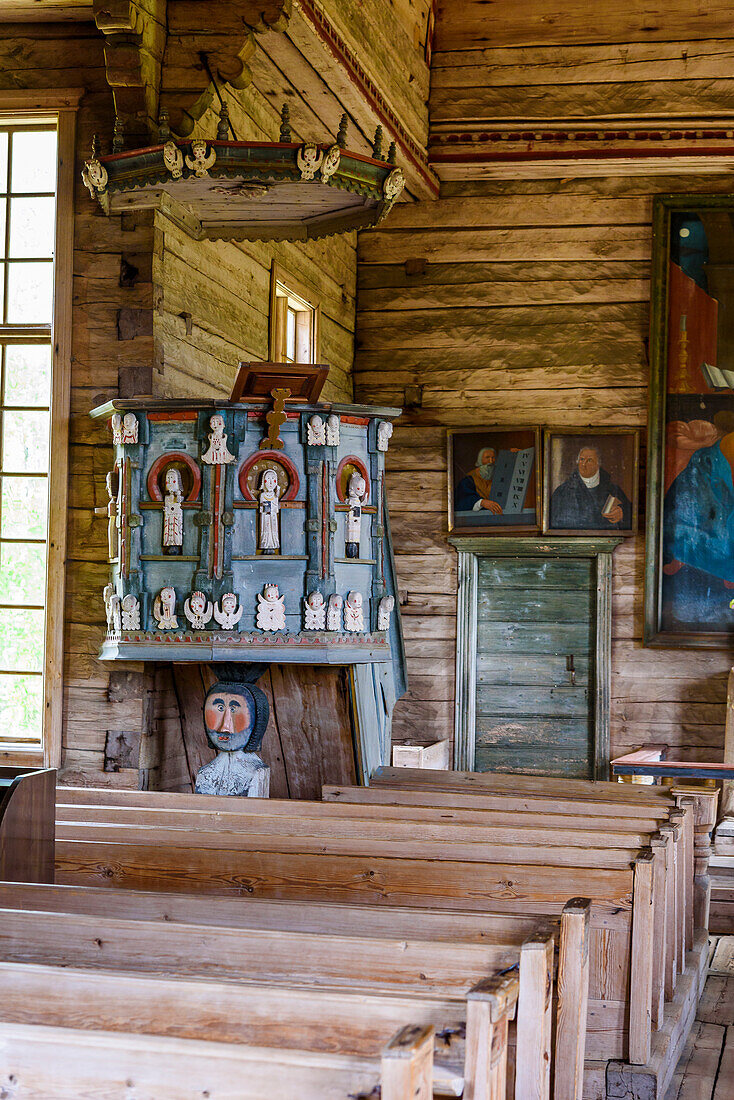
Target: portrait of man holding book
<point>590,483</point>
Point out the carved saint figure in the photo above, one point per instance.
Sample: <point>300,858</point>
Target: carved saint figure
<point>384,432</point>
<point>129,428</point>
<point>353,612</point>
<point>164,609</point>
<point>269,508</point>
<point>217,453</point>
<point>113,525</point>
<point>116,425</point>
<point>316,432</point>
<point>334,613</point>
<point>270,608</point>
<point>198,610</point>
<point>112,608</point>
<point>384,611</point>
<point>130,612</point>
<point>172,510</point>
<point>314,612</point>
<point>356,493</point>
<point>226,611</point>
<point>332,430</point>
<point>236,717</point>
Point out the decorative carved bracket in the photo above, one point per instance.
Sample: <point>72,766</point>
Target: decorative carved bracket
<point>159,55</point>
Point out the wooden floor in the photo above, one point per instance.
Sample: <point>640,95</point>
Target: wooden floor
<point>706,1069</point>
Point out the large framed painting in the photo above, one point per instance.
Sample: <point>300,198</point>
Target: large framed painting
<point>494,480</point>
<point>689,581</point>
<point>590,481</point>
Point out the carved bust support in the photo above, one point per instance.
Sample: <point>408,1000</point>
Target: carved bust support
<point>235,716</point>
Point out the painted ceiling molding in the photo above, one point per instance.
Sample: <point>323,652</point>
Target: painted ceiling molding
<point>482,148</point>
<point>158,56</point>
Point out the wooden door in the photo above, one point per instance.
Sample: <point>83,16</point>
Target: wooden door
<point>535,681</point>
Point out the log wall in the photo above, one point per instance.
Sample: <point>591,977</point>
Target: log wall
<point>514,301</point>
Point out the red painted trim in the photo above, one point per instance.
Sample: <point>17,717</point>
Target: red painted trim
<point>355,420</point>
<point>280,459</point>
<point>368,89</point>
<point>124,548</point>
<point>324,521</point>
<point>216,541</point>
<point>164,417</point>
<point>154,491</point>
<point>351,460</point>
<point>260,414</point>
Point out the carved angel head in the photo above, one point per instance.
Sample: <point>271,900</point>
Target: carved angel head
<point>216,423</point>
<point>270,592</point>
<point>168,601</point>
<point>357,486</point>
<point>315,600</point>
<point>354,600</point>
<point>197,603</point>
<point>228,603</point>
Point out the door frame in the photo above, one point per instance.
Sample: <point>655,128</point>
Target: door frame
<point>469,551</point>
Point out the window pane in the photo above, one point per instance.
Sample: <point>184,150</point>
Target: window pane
<point>28,374</point>
<point>24,507</point>
<point>22,573</point>
<point>32,224</point>
<point>3,210</point>
<point>34,161</point>
<point>21,708</point>
<point>30,293</point>
<point>290,340</point>
<point>21,640</point>
<point>3,162</point>
<point>25,442</point>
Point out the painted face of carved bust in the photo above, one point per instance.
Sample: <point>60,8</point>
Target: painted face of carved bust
<point>173,480</point>
<point>270,592</point>
<point>116,422</point>
<point>354,599</point>
<point>168,600</point>
<point>269,481</point>
<point>216,424</point>
<point>357,485</point>
<point>229,720</point>
<point>229,603</point>
<point>128,421</point>
<point>316,600</point>
<point>197,603</point>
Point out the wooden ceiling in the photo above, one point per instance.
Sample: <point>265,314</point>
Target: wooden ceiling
<point>255,13</point>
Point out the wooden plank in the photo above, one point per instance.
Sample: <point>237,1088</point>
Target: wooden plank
<point>207,951</point>
<point>27,828</point>
<point>696,1072</point>
<point>573,997</point>
<point>725,1074</point>
<point>275,915</point>
<point>70,1064</point>
<point>366,841</point>
<point>534,1020</point>
<point>717,1002</point>
<point>359,879</point>
<point>662,871</point>
<point>489,1007</point>
<point>643,946</point>
<point>407,1065</point>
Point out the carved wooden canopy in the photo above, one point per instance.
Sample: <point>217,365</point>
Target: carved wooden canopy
<point>168,54</point>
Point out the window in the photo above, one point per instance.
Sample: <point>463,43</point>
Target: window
<point>294,320</point>
<point>32,449</point>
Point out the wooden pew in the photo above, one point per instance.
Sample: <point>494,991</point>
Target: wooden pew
<point>432,880</point>
<point>27,810</point>
<point>343,968</point>
<point>670,915</point>
<point>61,1063</point>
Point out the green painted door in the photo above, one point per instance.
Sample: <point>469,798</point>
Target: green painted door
<point>536,637</point>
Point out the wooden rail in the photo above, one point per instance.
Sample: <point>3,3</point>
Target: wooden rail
<point>651,762</point>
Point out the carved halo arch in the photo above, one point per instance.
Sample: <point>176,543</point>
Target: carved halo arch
<point>344,470</point>
<point>269,458</point>
<point>161,464</point>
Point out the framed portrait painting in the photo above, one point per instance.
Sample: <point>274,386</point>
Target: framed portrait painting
<point>689,579</point>
<point>590,481</point>
<point>494,480</point>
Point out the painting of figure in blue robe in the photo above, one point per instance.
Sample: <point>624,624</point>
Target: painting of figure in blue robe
<point>698,516</point>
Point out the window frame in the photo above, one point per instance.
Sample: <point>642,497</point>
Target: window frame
<point>60,105</point>
<point>280,278</point>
